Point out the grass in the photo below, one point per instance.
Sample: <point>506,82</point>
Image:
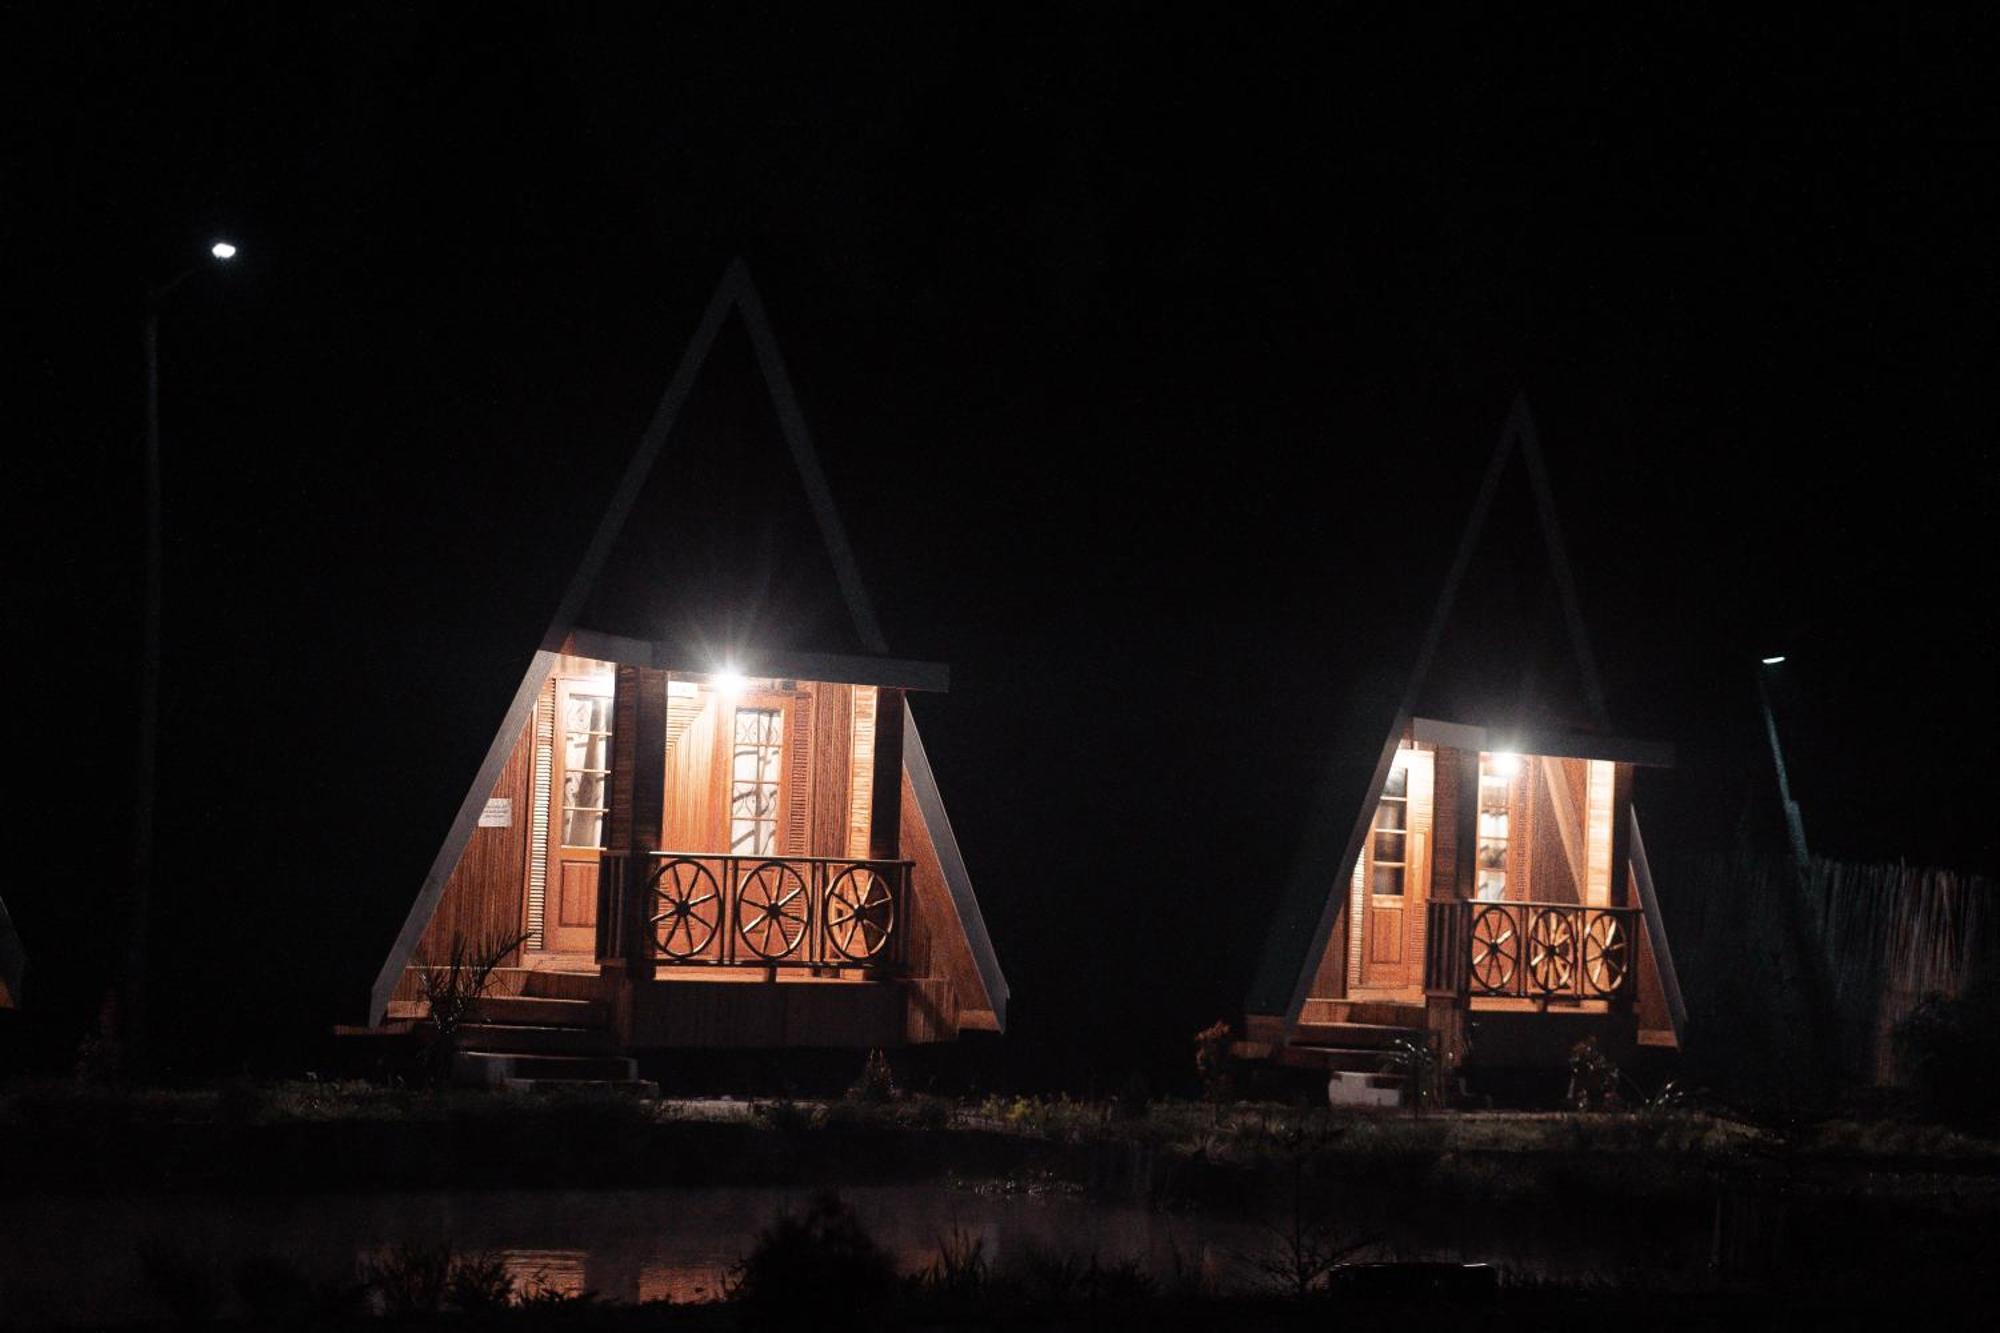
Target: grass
<point>1168,1151</point>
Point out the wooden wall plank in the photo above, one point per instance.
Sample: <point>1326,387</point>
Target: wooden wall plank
<point>485,895</point>
<point>832,758</point>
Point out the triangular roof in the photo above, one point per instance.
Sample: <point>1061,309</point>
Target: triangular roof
<point>577,610</point>
<point>1361,755</point>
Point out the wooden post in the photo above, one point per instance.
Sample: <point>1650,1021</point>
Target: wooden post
<point>886,813</point>
<point>1622,1006</point>
<point>1454,870</point>
<point>638,803</point>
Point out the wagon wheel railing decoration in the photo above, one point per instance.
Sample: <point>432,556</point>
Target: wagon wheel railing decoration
<point>860,913</point>
<point>1606,954</point>
<point>1551,950</point>
<point>687,906</point>
<point>771,905</point>
<point>1495,948</point>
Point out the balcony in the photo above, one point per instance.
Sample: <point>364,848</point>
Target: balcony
<point>676,909</point>
<point>1530,950</point>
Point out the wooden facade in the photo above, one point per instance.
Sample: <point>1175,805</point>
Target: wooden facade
<point>673,854</point>
<point>1491,890</point>
<point>788,800</point>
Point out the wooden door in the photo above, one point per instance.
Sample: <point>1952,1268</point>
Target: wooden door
<point>580,786</point>
<point>738,777</point>
<point>1393,875</point>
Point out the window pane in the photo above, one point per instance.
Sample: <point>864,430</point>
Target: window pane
<point>1389,847</point>
<point>1388,881</point>
<point>1399,782</point>
<point>583,828</point>
<point>1492,886</point>
<point>1389,815</point>
<point>583,789</point>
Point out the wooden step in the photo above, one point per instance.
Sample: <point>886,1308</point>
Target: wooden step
<point>1356,1059</point>
<point>535,1039</point>
<point>497,1068</point>
<point>631,1087</point>
<point>1380,1036</point>
<point>547,983</point>
<point>541,1011</point>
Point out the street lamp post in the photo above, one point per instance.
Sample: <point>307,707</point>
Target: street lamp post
<point>146,796</point>
<point>1795,825</point>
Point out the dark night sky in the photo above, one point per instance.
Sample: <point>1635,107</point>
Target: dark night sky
<point>1132,344</point>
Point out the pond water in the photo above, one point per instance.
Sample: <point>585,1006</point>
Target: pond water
<point>78,1260</point>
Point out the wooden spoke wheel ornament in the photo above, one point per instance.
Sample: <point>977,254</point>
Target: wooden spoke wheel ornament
<point>771,904</point>
<point>860,913</point>
<point>687,905</point>
<point>1495,948</point>
<point>1606,956</point>
<point>1551,951</point>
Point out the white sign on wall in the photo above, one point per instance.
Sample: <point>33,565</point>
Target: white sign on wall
<point>499,813</point>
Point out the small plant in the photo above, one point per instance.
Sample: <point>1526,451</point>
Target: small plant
<point>452,987</point>
<point>959,1270</point>
<point>877,1083</point>
<point>1418,1064</point>
<point>1593,1079</point>
<point>1212,1061</point>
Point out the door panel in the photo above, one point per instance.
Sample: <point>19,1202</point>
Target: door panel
<point>579,797</point>
<point>1392,879</point>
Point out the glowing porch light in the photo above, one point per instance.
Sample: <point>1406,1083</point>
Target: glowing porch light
<point>729,682</point>
<point>223,250</point>
<point>1506,764</point>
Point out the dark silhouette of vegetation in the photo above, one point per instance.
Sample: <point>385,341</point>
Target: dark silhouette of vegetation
<point>452,987</point>
<point>818,1268</point>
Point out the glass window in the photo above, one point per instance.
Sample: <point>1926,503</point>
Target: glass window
<point>1496,783</point>
<point>1392,821</point>
<point>586,748</point>
<point>757,761</point>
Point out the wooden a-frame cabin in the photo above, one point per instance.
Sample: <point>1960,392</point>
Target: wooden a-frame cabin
<point>701,838</point>
<point>1475,881</point>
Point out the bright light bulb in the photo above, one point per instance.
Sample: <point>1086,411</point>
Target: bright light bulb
<point>728,682</point>
<point>222,250</point>
<point>1773,661</point>
<point>1506,764</point>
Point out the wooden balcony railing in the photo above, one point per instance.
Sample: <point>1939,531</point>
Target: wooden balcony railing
<point>1530,950</point>
<point>699,909</point>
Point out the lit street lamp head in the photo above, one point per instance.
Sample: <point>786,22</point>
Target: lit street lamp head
<point>223,250</point>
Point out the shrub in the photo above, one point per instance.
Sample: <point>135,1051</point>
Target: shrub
<point>820,1266</point>
<point>1948,1052</point>
<point>480,1284</point>
<point>412,1278</point>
